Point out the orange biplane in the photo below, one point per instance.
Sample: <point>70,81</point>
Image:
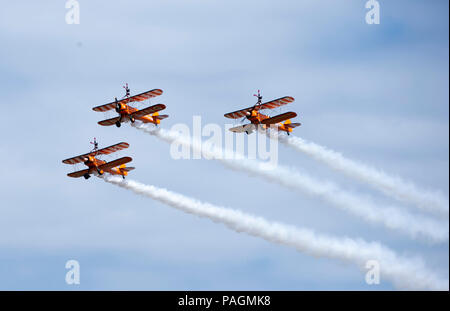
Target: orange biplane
<point>259,120</point>
<point>128,113</point>
<point>99,167</point>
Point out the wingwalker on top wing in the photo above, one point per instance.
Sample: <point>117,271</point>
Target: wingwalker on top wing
<point>261,121</point>
<point>128,113</point>
<point>99,167</point>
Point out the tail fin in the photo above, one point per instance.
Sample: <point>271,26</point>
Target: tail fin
<point>124,170</point>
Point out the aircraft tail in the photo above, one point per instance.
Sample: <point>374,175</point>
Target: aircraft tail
<point>123,169</point>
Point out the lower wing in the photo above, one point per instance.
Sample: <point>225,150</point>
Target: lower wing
<point>248,128</point>
<point>109,121</point>
<point>114,163</point>
<point>78,173</point>
<point>279,118</point>
<point>148,110</point>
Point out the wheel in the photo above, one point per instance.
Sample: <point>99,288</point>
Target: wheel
<point>132,120</point>
<point>118,124</point>
<point>246,132</point>
<point>86,176</point>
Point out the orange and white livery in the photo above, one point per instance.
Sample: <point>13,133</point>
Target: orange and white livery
<point>262,121</point>
<point>128,113</point>
<point>99,167</point>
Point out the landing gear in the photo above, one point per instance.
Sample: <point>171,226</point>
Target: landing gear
<point>100,172</point>
<point>118,123</point>
<point>132,119</point>
<point>86,176</point>
<point>246,132</point>
<point>123,176</point>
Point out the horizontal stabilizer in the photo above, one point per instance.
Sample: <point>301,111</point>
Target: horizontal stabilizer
<point>160,117</point>
<point>292,125</point>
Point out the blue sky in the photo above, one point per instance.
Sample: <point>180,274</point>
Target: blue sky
<point>377,93</point>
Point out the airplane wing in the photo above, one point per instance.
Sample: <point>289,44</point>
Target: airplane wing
<point>279,118</point>
<point>249,128</point>
<point>292,125</point>
<point>148,110</point>
<point>238,113</point>
<point>78,173</point>
<point>277,102</point>
<point>160,117</point>
<point>115,163</point>
<point>268,105</point>
<point>75,160</point>
<point>109,121</point>
<point>106,150</point>
<point>113,148</point>
<point>135,98</point>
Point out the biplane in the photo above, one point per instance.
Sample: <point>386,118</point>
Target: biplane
<point>128,113</point>
<point>281,122</point>
<point>99,167</point>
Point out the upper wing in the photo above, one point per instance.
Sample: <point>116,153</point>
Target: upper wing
<point>148,110</point>
<point>268,105</point>
<point>277,102</point>
<point>106,107</point>
<point>75,160</point>
<point>109,121</point>
<point>279,118</point>
<point>143,96</point>
<point>107,150</point>
<point>113,148</point>
<point>78,173</point>
<point>238,113</point>
<point>135,98</point>
<point>115,163</point>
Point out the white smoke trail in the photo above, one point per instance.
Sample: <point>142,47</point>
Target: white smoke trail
<point>391,217</point>
<point>403,272</point>
<point>390,185</point>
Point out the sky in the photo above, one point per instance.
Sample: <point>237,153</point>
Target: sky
<point>376,93</point>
